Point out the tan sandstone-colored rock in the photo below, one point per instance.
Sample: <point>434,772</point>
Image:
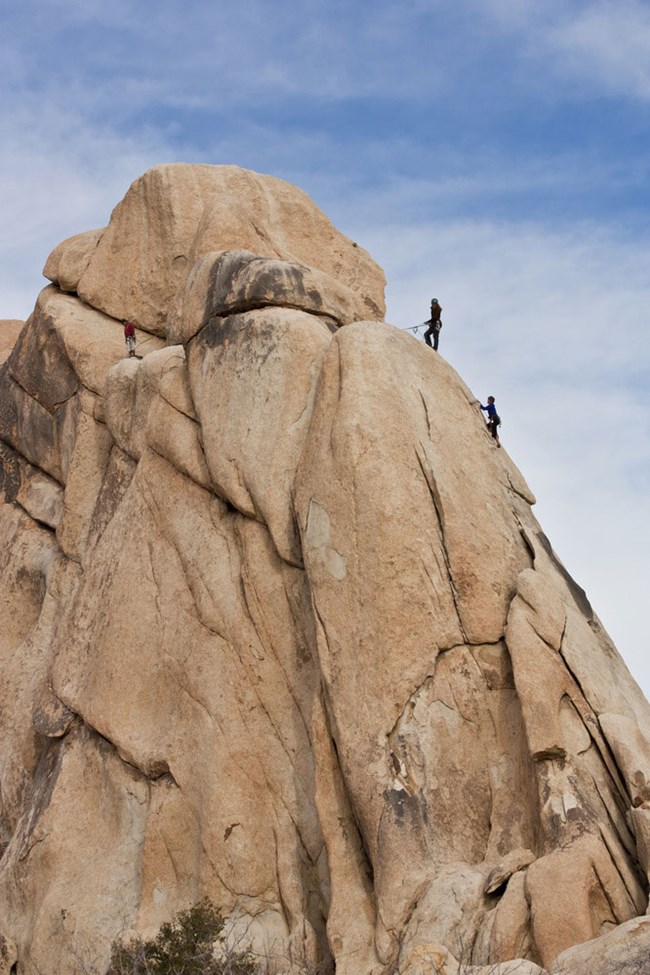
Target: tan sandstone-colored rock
<point>65,906</point>
<point>513,862</point>
<point>624,951</point>
<point>518,966</point>
<point>176,213</point>
<point>69,259</point>
<point>402,535</point>
<point>39,495</point>
<point>238,281</point>
<point>279,626</point>
<point>44,438</point>
<point>428,958</point>
<point>149,404</point>
<point>10,329</point>
<point>8,956</point>
<point>253,379</point>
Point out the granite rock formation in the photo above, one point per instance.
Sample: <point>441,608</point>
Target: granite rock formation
<point>279,626</point>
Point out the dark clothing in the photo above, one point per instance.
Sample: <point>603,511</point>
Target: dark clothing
<point>433,329</point>
<point>490,409</point>
<point>435,324</point>
<point>129,329</point>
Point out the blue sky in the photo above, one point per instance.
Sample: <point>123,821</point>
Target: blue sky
<point>494,153</point>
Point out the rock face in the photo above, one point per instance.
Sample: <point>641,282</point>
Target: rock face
<point>280,627</point>
<point>175,214</point>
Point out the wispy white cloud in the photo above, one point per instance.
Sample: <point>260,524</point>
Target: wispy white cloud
<point>601,47</point>
<point>197,54</point>
<point>608,43</point>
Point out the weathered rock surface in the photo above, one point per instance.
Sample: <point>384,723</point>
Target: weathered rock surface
<point>69,260</point>
<point>175,214</point>
<point>10,329</point>
<point>623,951</point>
<point>280,627</point>
<point>224,283</point>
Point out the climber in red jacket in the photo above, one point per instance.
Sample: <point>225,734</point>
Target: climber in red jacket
<point>129,337</point>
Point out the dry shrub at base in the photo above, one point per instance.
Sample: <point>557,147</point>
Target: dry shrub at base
<point>183,946</point>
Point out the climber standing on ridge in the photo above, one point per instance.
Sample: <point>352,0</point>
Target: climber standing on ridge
<point>435,324</point>
<point>129,337</point>
<point>493,418</point>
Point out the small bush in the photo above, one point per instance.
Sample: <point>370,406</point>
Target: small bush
<point>183,946</point>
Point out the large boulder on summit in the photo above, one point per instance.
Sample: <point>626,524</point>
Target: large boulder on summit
<point>69,260</point>
<point>280,627</point>
<point>176,213</point>
<point>234,281</point>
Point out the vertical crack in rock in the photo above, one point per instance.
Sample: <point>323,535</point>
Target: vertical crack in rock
<point>42,789</point>
<point>347,795</point>
<point>437,507</point>
<point>527,541</point>
<point>323,629</point>
<point>284,907</point>
<point>631,883</point>
<point>590,720</point>
<point>333,427</point>
<point>620,828</point>
<point>603,886</point>
<point>257,620</point>
<point>425,406</point>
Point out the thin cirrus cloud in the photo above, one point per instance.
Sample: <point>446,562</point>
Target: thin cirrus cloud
<point>608,43</point>
<point>245,50</point>
<point>602,47</point>
<point>328,51</point>
<point>317,50</point>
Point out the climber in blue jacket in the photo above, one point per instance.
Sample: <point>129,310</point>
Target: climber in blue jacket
<point>493,418</point>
